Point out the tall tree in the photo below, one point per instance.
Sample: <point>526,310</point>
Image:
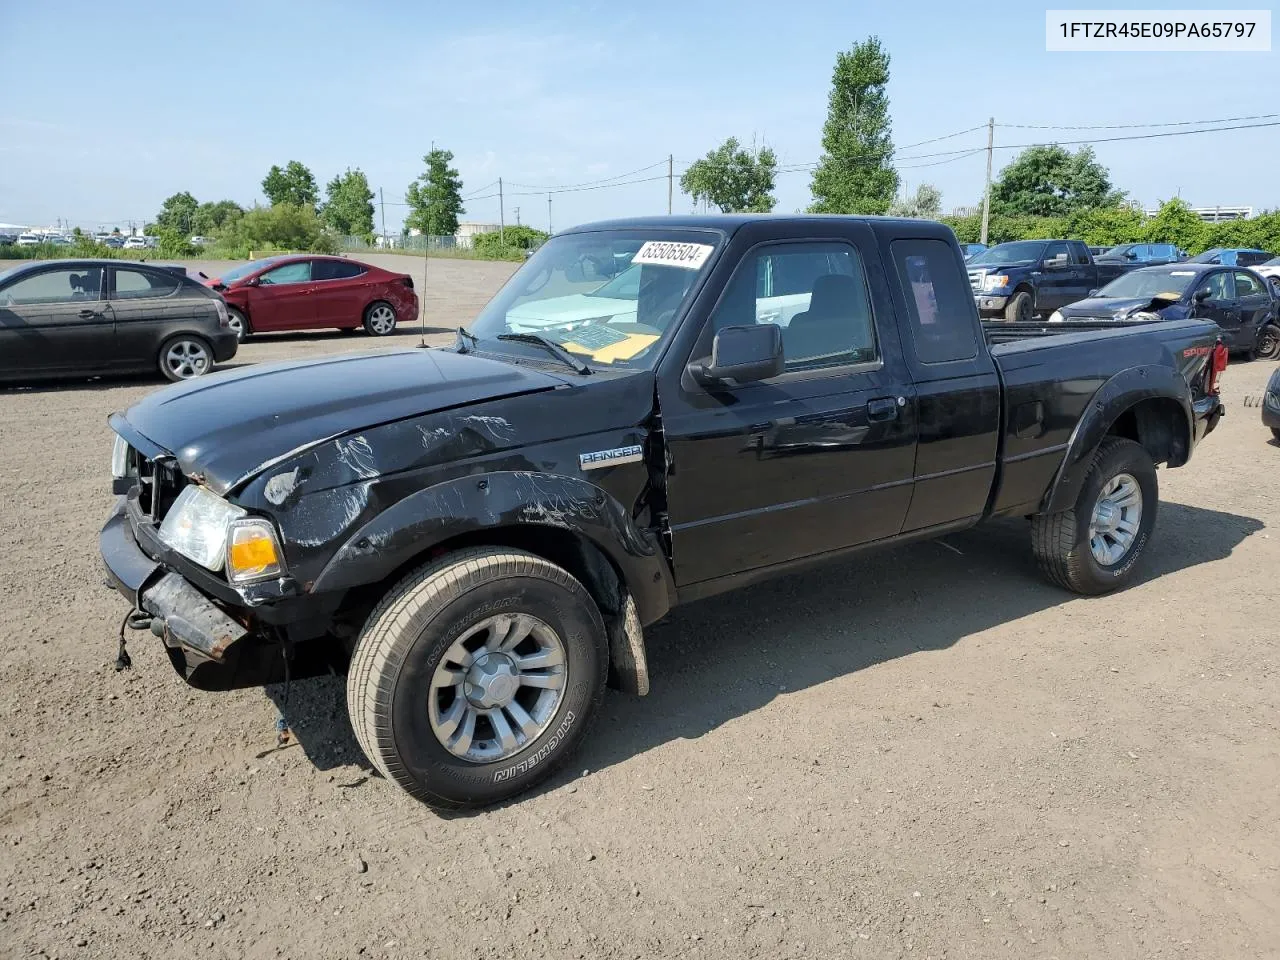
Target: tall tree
<point>734,179</point>
<point>435,198</point>
<point>215,216</point>
<point>1176,223</point>
<point>1050,181</point>
<point>178,213</point>
<point>855,173</point>
<point>348,208</point>
<point>294,184</point>
<point>924,204</point>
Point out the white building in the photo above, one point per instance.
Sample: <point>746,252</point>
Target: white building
<point>466,231</point>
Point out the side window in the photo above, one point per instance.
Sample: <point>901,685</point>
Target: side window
<point>54,286</point>
<point>1251,259</point>
<point>938,299</point>
<point>817,294</point>
<point>1165,251</point>
<point>137,285</point>
<point>1079,253</point>
<point>335,270</point>
<point>297,272</point>
<point>1055,250</point>
<point>1219,286</point>
<point>1247,285</point>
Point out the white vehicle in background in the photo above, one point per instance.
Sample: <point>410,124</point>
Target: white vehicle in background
<point>29,240</point>
<point>136,243</point>
<point>199,241</point>
<point>1271,271</point>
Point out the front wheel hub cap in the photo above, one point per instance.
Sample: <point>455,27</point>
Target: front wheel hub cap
<point>492,681</point>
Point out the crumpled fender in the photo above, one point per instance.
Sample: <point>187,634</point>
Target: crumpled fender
<point>496,500</point>
<point>1123,391</point>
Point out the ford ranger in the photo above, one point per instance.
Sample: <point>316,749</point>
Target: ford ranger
<point>479,534</point>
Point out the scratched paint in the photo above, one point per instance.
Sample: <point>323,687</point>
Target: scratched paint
<point>325,517</point>
<point>278,488</point>
<point>357,453</point>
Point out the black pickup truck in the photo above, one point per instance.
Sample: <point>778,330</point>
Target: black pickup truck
<point>1020,280</point>
<point>479,534</point>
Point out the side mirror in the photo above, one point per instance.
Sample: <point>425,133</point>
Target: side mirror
<point>1056,263</point>
<point>1200,296</point>
<point>1094,292</point>
<point>743,355</point>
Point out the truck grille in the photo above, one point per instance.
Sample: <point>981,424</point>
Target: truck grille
<point>975,280</point>
<point>160,482</point>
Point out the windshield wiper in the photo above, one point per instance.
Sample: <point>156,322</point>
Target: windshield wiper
<point>465,335</point>
<point>559,352</point>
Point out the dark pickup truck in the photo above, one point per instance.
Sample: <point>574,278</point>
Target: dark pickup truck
<point>1026,278</point>
<point>479,534</point>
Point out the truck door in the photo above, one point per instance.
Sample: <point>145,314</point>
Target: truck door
<point>1059,279</point>
<point>956,384</point>
<point>816,459</point>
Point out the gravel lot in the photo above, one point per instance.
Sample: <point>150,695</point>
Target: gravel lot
<point>922,753</point>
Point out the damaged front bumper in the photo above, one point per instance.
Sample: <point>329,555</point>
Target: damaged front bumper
<point>213,642</point>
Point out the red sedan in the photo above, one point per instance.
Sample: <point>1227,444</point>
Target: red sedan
<point>302,291</point>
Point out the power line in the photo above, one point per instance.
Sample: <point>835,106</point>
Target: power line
<point>1134,126</point>
<point>602,186</point>
<point>1142,136</point>
<point>470,196</point>
<point>543,187</point>
<point>958,133</point>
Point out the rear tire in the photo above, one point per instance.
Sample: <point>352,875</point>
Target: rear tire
<point>185,357</point>
<point>1019,308</point>
<point>380,319</point>
<point>411,685</point>
<point>1068,544</point>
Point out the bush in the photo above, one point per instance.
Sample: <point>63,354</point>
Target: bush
<point>280,227</point>
<point>509,245</point>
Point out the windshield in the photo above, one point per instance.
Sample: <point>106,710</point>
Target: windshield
<point>1119,251</point>
<point>1209,256</point>
<point>608,296</point>
<point>236,273</point>
<point>1145,284</point>
<point>1273,262</point>
<point>1023,251</point>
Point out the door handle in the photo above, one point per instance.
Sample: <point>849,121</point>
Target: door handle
<point>885,408</point>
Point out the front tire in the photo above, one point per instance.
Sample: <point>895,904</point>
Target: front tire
<point>477,676</point>
<point>1268,346</point>
<point>380,319</point>
<point>1095,546</point>
<point>1019,308</point>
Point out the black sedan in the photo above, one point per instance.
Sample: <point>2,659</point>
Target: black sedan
<point>1236,299</point>
<point>65,317</point>
<point>1271,404</point>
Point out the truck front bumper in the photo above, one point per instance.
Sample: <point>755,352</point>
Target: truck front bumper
<point>212,643</point>
<point>990,303</point>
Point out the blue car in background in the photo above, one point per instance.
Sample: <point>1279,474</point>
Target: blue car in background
<point>1234,298</point>
<point>1142,253</point>
<point>1233,256</point>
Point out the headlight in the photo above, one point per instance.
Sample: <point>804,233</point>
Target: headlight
<point>1144,315</point>
<point>196,526</point>
<point>119,458</point>
<point>994,281</point>
<point>253,553</point>
<point>1056,317</point>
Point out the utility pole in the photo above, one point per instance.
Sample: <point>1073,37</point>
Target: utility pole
<point>502,217</point>
<point>548,214</point>
<point>517,216</point>
<point>670,179</point>
<point>383,207</point>
<point>986,197</point>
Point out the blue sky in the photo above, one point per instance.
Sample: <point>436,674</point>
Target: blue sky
<point>110,108</point>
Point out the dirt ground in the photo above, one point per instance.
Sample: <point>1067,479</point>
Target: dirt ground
<point>922,753</point>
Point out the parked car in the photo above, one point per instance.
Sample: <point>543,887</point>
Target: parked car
<point>135,243</point>
<point>1237,300</point>
<point>115,243</point>
<point>29,240</point>
<point>1141,254</point>
<point>65,317</point>
<point>1024,278</point>
<point>971,250</point>
<point>300,292</point>
<point>199,241</point>
<point>1270,271</point>
<point>58,240</point>
<point>480,533</point>
<point>7,239</point>
<point>1233,256</point>
<point>1271,404</point>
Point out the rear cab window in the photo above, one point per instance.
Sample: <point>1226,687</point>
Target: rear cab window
<point>938,298</point>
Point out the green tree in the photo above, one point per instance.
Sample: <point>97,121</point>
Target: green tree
<point>855,173</point>
<point>177,213</point>
<point>281,226</point>
<point>435,198</point>
<point>924,204</point>
<point>733,179</point>
<point>348,207</point>
<point>293,185</point>
<point>210,218</point>
<point>1175,223</point>
<point>1106,226</point>
<point>1050,181</point>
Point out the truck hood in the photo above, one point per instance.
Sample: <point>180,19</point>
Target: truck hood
<point>226,427</point>
<point>1113,308</point>
<point>560,311</point>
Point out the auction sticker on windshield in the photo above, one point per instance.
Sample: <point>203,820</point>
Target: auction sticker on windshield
<point>691,256</point>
